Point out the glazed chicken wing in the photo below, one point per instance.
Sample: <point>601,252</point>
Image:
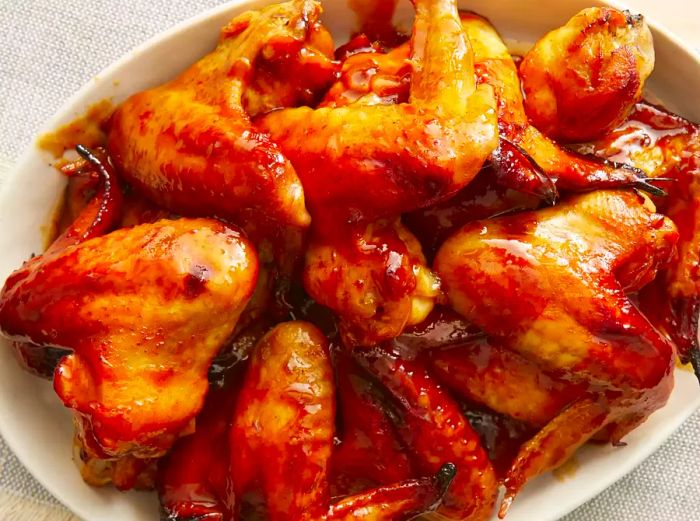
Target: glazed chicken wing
<point>525,160</point>
<point>282,438</point>
<point>583,79</point>
<point>551,285</point>
<point>385,159</point>
<point>189,144</point>
<point>143,310</point>
<point>481,371</point>
<point>433,426</point>
<point>95,205</point>
<point>570,171</point>
<point>668,146</point>
<point>566,269</point>
<point>370,453</point>
<point>284,423</point>
<point>374,276</point>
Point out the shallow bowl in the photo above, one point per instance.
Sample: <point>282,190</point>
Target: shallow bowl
<point>38,428</point>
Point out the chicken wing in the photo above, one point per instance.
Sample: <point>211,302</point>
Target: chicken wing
<point>370,453</point>
<point>592,248</point>
<point>382,160</point>
<point>668,146</point>
<point>283,435</point>
<point>435,429</point>
<point>190,146</point>
<point>374,276</point>
<point>94,206</point>
<point>525,160</point>
<point>481,371</point>
<point>551,285</point>
<point>583,79</point>
<point>283,427</point>
<point>571,172</point>
<point>143,310</point>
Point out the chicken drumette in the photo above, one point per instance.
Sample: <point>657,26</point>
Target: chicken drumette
<point>583,79</point>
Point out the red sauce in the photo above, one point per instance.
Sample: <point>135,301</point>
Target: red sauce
<point>374,20</point>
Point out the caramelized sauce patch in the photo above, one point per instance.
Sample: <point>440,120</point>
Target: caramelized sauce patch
<point>88,129</point>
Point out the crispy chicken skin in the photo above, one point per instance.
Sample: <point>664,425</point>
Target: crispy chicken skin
<point>385,159</point>
<point>190,146</point>
<point>143,310</point>
<point>583,79</point>
<point>374,276</point>
<point>551,285</point>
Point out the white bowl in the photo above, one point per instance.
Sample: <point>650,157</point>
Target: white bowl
<point>38,428</point>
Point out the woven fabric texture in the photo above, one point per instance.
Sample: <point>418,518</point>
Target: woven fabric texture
<point>49,48</point>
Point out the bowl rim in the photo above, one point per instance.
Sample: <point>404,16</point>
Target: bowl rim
<point>67,111</point>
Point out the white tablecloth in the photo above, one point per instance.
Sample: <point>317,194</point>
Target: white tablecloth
<point>49,48</point>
